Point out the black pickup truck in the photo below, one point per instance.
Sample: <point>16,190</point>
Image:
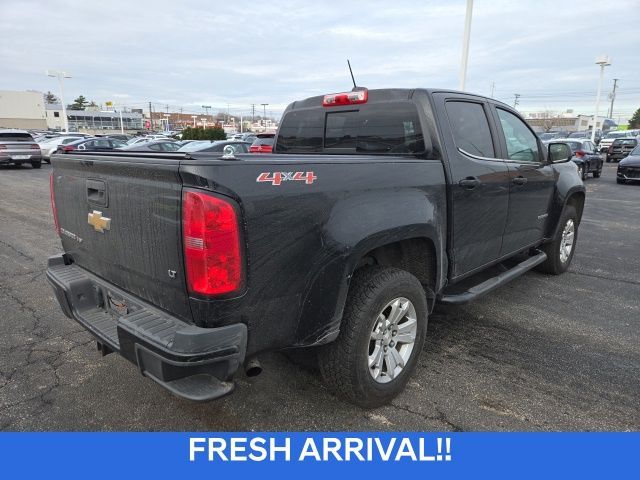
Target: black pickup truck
<point>375,205</point>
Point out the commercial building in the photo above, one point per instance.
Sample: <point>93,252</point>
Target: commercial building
<point>24,110</point>
<point>92,121</point>
<point>175,121</point>
<point>567,122</point>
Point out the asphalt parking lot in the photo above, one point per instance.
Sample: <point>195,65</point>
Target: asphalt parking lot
<point>542,353</point>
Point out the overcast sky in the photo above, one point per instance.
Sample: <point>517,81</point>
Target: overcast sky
<point>192,53</point>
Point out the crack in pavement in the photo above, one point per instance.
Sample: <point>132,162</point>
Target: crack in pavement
<point>440,417</point>
<point>50,362</point>
<point>19,252</point>
<point>604,277</point>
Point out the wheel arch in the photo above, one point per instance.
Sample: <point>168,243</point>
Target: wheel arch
<point>575,198</point>
<point>398,247</point>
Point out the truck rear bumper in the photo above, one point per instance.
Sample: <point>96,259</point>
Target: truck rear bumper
<point>191,362</point>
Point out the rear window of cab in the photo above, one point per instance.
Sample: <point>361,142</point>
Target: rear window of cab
<point>391,128</point>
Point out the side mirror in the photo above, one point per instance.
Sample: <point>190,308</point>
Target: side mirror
<point>559,152</point>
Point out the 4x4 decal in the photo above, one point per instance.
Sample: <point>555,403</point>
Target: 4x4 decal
<point>276,178</point>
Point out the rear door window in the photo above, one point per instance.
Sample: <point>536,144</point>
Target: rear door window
<point>470,128</point>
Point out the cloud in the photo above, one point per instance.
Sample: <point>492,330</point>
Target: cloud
<point>239,53</point>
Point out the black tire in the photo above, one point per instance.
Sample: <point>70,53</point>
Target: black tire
<point>47,160</point>
<point>344,362</point>
<point>36,164</point>
<point>608,159</point>
<point>598,172</point>
<point>585,171</point>
<point>553,264</point>
<point>621,181</point>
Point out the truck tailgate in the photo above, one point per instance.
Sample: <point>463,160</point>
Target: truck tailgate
<point>120,218</point>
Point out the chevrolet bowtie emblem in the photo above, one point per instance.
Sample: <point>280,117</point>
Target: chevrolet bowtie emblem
<point>98,222</point>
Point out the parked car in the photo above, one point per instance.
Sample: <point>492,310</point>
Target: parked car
<point>375,205</point>
<point>121,137</point>
<point>248,137</point>
<point>620,148</point>
<point>147,138</point>
<point>263,143</point>
<point>629,167</point>
<point>227,146</point>
<point>547,136</point>
<point>195,145</point>
<point>586,134</point>
<point>91,145</point>
<point>585,156</point>
<point>18,147</point>
<point>50,146</point>
<point>609,137</point>
<point>152,146</point>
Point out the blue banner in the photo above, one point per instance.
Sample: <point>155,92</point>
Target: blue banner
<point>316,455</point>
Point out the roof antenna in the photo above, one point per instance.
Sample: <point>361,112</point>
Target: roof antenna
<point>351,72</point>
<point>355,87</point>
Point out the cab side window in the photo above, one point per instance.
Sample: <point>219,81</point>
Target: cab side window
<point>522,145</point>
<point>470,128</point>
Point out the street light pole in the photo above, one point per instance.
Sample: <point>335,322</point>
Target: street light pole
<point>61,75</point>
<point>603,61</point>
<point>465,45</point>
<point>121,123</point>
<point>194,120</point>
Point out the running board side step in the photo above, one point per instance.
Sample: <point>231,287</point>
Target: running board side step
<point>492,283</point>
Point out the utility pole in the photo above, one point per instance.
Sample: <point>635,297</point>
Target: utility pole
<point>515,101</point>
<point>253,112</point>
<point>150,117</point>
<point>493,87</point>
<point>206,111</point>
<point>264,116</point>
<point>613,96</point>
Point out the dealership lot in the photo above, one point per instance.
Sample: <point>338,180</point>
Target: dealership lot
<point>542,353</point>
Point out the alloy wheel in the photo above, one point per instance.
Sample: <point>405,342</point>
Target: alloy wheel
<point>392,340</point>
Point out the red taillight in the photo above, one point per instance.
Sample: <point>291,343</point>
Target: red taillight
<point>579,153</point>
<point>35,147</point>
<point>68,148</point>
<point>53,204</point>
<point>3,147</point>
<point>345,98</point>
<point>211,239</point>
